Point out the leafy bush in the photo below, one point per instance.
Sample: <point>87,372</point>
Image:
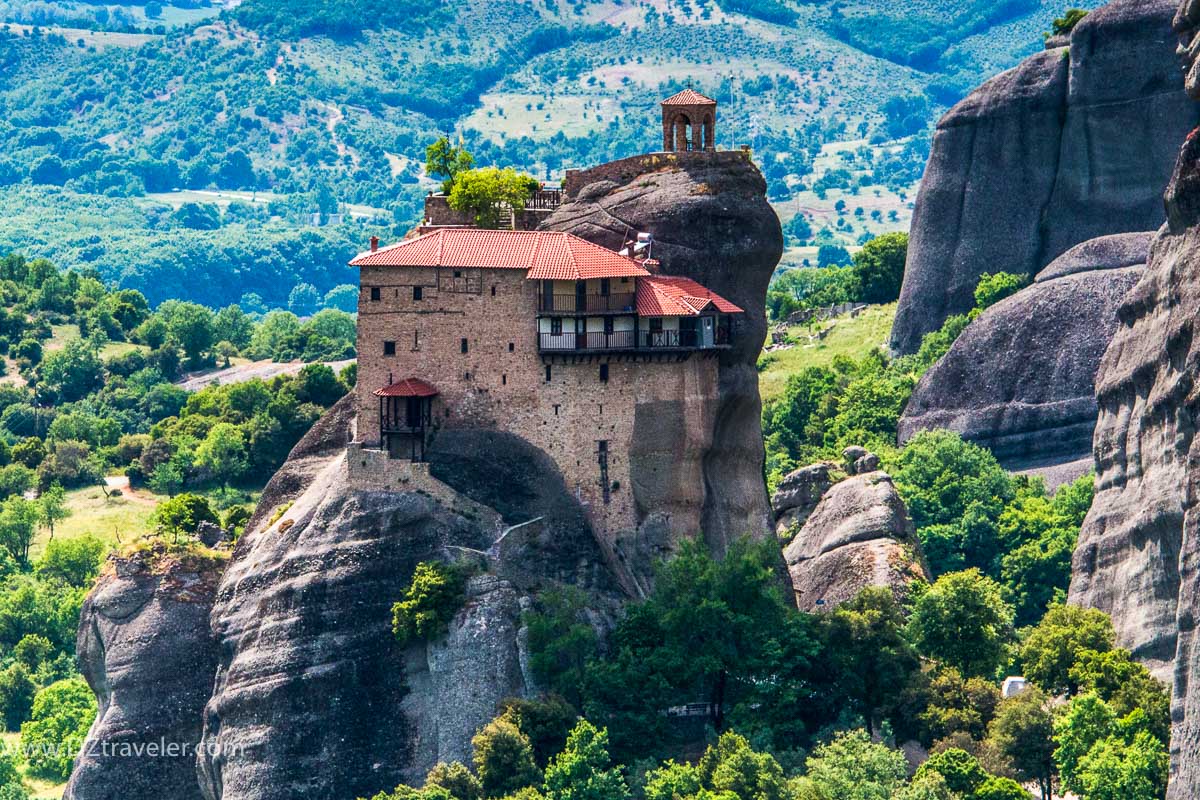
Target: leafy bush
<point>434,595</point>
<point>992,288</point>
<point>62,714</point>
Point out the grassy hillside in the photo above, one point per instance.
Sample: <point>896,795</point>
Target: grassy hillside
<point>847,337</point>
<point>116,118</point>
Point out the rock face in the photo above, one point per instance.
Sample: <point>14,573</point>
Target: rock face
<point>798,494</point>
<point>1139,552</point>
<point>1020,379</point>
<point>710,221</point>
<point>1072,144</point>
<point>859,535</point>
<point>313,695</point>
<point>147,651</point>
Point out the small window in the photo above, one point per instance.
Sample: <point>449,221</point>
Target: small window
<point>511,347</point>
<point>465,346</point>
<point>604,373</point>
<point>375,294</point>
<point>504,380</point>
<point>493,291</point>
<point>389,348</point>
<point>416,340</point>
<point>555,327</point>
<point>547,381</point>
<point>602,447</point>
<point>418,293</point>
<point>457,274</point>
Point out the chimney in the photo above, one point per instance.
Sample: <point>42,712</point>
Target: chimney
<point>374,243</point>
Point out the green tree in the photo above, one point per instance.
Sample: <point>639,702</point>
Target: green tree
<point>191,325</point>
<point>1023,732</point>
<point>232,324</point>
<point>1067,22</point>
<point>832,255</point>
<point>62,714</point>
<point>1126,686</point>
<point>852,767</point>
<point>434,595</point>
<point>17,690</point>
<point>731,766</point>
<point>961,770</point>
<point>561,640</point>
<point>456,779</point>
<point>963,621</point>
<point>545,721</point>
<point>992,288</point>
<point>343,297</point>
<point>444,160</point>
<point>584,770</point>
<point>223,452</point>
<point>866,648</point>
<point>879,268</point>
<point>304,300</point>
<point>503,759</point>
<point>74,562</point>
<point>1051,649</point>
<point>996,788</point>
<point>181,515</point>
<point>489,193</point>
<point>52,507</point>
<point>1120,769</point>
<point>1087,721</point>
<point>18,527</point>
<point>71,373</point>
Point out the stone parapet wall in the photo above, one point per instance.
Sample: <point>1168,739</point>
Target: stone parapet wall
<point>370,470</point>
<point>626,169</point>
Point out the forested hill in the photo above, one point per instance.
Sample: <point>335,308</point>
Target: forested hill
<point>119,125</point>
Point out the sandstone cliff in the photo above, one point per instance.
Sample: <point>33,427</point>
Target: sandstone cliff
<point>1072,144</point>
<point>710,221</point>
<point>848,536</point>
<point>1020,379</point>
<point>146,649</point>
<point>1138,556</point>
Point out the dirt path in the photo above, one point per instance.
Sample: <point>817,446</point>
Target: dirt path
<point>245,372</point>
<point>120,483</point>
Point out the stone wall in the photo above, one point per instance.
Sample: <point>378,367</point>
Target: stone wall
<point>439,214</point>
<point>655,412</point>
<point>625,169</point>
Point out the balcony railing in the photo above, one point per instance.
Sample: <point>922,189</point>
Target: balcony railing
<point>568,341</point>
<point>544,200</point>
<point>588,303</point>
<point>669,339</point>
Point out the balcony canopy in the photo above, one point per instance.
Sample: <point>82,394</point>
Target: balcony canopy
<point>409,387</point>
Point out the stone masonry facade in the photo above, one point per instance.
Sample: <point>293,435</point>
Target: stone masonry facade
<point>473,336</point>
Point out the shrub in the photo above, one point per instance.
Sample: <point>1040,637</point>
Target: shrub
<point>62,714</point>
<point>992,288</point>
<point>430,602</point>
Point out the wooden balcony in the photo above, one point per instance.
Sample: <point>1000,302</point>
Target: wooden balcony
<point>573,303</point>
<point>630,341</point>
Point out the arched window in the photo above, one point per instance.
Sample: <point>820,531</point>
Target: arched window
<point>683,133</point>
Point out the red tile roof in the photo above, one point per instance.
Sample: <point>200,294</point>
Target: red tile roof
<point>661,296</point>
<point>688,97</point>
<point>409,387</point>
<point>545,255</point>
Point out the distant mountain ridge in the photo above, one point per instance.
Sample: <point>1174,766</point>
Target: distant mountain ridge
<point>323,104</point>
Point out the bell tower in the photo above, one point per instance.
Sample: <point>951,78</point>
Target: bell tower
<point>689,122</point>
